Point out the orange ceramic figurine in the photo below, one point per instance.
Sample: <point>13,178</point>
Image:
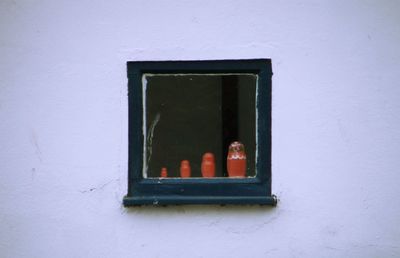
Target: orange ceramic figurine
<point>185,168</point>
<point>164,172</point>
<point>208,165</point>
<point>236,160</point>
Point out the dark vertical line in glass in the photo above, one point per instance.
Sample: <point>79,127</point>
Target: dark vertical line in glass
<point>230,123</point>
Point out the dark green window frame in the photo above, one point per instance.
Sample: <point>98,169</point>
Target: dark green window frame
<point>153,191</point>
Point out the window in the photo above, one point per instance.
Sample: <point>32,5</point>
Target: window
<point>199,132</point>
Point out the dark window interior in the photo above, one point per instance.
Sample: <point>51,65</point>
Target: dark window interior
<point>188,115</point>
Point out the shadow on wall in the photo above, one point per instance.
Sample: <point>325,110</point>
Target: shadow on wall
<point>199,209</point>
<point>227,219</point>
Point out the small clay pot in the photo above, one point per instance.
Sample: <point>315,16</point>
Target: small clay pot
<point>208,165</point>
<point>185,168</point>
<point>236,160</point>
<point>164,172</point>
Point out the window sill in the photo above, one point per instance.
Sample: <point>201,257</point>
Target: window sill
<point>220,200</point>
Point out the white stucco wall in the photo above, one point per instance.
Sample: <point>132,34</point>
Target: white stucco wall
<point>63,127</point>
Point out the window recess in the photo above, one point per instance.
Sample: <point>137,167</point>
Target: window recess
<point>199,132</point>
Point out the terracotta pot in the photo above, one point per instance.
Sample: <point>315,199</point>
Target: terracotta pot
<point>208,165</point>
<point>185,168</point>
<point>164,172</point>
<point>236,160</point>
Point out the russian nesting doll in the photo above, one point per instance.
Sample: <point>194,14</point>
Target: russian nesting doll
<point>185,168</point>
<point>236,160</point>
<point>164,172</point>
<point>208,165</point>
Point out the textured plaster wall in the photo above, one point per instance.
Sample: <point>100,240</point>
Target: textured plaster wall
<point>63,127</point>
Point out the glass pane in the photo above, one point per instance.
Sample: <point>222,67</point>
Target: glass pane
<point>192,119</point>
